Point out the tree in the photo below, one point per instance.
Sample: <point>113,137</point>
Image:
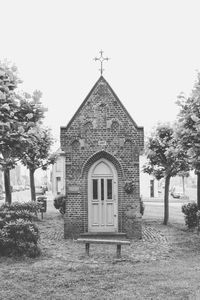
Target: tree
<point>37,153</point>
<point>17,115</point>
<point>165,159</point>
<point>8,108</point>
<point>188,131</point>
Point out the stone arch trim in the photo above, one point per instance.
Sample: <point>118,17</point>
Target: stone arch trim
<point>102,154</point>
<point>88,125</point>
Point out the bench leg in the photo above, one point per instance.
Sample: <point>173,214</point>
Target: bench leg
<point>118,251</point>
<point>87,248</point>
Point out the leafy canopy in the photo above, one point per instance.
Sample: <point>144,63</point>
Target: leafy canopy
<point>165,156</point>
<point>18,113</point>
<point>188,130</point>
<point>37,153</point>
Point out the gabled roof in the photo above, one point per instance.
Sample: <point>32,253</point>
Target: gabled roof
<point>101,79</point>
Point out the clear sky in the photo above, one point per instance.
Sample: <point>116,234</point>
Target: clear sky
<point>153,45</point>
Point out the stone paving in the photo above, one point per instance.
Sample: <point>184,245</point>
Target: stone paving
<point>153,246</point>
<point>149,234</point>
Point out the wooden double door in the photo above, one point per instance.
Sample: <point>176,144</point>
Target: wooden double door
<point>102,197</point>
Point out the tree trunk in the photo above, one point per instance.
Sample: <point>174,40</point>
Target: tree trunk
<point>7,186</point>
<point>32,184</point>
<point>166,200</point>
<point>198,189</point>
<point>183,183</point>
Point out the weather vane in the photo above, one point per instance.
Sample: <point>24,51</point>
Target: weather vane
<point>101,59</point>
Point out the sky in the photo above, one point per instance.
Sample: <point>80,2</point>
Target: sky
<point>153,46</point>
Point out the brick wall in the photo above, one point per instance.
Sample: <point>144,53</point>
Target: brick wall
<point>101,128</point>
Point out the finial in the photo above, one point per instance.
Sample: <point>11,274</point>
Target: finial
<point>101,59</point>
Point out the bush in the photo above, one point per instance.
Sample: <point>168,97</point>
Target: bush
<point>7,216</point>
<point>142,207</point>
<point>30,206</point>
<point>190,211</point>
<point>59,203</point>
<point>18,235</point>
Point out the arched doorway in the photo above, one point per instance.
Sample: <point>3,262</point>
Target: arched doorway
<point>102,197</point>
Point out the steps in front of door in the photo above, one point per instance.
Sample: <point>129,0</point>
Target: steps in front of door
<point>104,235</point>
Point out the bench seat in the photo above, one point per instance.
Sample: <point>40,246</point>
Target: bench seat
<point>88,241</point>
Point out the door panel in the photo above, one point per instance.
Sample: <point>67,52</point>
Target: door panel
<point>95,214</point>
<point>110,214</point>
<point>102,215</point>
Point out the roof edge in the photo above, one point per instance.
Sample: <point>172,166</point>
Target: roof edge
<point>82,104</point>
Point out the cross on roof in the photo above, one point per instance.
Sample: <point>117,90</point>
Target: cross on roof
<point>101,59</point>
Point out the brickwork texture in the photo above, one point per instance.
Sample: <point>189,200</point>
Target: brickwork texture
<point>101,128</point>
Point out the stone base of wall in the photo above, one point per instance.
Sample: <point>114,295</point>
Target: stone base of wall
<point>132,227</point>
<point>133,224</point>
<point>72,228</point>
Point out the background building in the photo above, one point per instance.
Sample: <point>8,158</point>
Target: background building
<point>58,174</point>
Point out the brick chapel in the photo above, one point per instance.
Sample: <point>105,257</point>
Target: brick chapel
<point>101,145</point>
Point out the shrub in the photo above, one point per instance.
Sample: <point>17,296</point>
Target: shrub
<point>30,206</point>
<point>59,203</point>
<point>190,211</point>
<point>7,215</point>
<point>18,235</point>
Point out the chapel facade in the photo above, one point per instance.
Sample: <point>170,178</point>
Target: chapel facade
<point>101,145</point>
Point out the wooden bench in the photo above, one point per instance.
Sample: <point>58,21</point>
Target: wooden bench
<point>88,241</point>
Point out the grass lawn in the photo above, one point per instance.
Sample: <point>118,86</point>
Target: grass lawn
<point>155,269</point>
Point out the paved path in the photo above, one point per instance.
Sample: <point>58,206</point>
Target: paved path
<point>153,246</point>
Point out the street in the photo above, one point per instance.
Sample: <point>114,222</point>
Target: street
<point>24,196</point>
<point>21,196</point>
<point>154,208</point>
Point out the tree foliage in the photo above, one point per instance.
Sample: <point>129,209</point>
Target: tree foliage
<point>189,124</point>
<point>188,130</point>
<point>165,158</point>
<point>9,127</point>
<point>37,152</point>
<point>164,153</point>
